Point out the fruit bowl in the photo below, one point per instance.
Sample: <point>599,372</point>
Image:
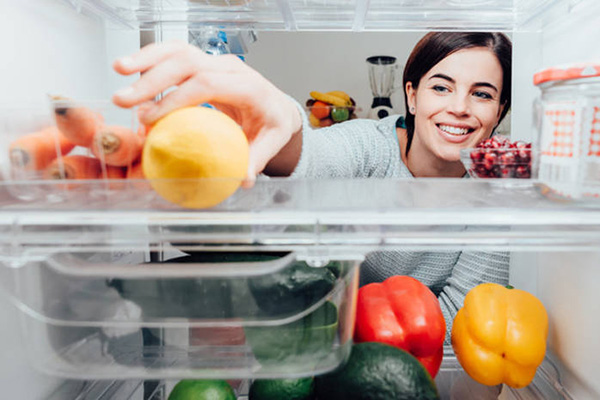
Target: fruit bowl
<point>498,158</point>
<point>326,109</point>
<point>332,114</point>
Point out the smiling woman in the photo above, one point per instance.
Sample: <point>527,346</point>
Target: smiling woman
<point>457,89</point>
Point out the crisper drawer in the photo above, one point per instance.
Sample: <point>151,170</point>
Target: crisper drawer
<point>276,316</point>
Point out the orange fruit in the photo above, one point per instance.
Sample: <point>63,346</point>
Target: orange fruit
<point>320,109</point>
<point>195,157</point>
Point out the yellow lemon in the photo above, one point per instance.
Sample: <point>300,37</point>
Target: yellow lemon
<point>195,157</point>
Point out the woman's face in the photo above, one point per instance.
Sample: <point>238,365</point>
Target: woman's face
<point>457,103</point>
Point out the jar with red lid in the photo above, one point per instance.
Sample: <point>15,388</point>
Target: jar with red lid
<point>568,123</point>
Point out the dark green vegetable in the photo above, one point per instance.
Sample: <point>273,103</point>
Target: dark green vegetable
<point>291,290</point>
<point>377,371</point>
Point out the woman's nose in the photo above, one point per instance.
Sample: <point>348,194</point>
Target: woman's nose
<point>459,105</point>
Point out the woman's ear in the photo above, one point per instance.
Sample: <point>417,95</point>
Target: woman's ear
<point>411,97</point>
<point>500,110</point>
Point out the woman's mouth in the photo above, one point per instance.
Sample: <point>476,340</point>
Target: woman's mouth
<point>455,134</point>
<point>454,130</point>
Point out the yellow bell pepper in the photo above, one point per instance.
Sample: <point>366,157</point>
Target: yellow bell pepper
<point>499,336</point>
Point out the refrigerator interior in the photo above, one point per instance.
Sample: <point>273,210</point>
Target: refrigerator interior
<point>67,47</point>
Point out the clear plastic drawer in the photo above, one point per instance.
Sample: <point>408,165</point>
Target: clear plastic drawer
<point>275,316</point>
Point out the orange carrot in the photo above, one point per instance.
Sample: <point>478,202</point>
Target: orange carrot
<point>116,177</point>
<point>77,123</point>
<point>74,167</point>
<point>35,151</point>
<point>135,171</point>
<point>115,172</point>
<point>143,131</point>
<point>117,146</point>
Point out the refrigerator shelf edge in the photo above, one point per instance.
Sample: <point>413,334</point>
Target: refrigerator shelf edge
<point>307,216</point>
<point>355,15</point>
<point>546,385</point>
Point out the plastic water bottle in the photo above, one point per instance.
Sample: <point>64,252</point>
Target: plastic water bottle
<point>216,43</point>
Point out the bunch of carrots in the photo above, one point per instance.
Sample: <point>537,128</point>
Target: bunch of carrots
<point>115,150</point>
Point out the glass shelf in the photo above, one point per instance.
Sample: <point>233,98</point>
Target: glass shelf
<point>316,218</point>
<point>339,15</point>
<point>452,382</point>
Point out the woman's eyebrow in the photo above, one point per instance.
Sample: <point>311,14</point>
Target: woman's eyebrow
<point>476,84</point>
<point>442,76</point>
<point>485,84</point>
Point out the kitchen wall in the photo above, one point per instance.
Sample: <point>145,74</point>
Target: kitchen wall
<point>299,62</point>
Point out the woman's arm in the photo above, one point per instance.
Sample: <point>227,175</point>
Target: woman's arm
<point>277,129</point>
<point>471,269</point>
<point>285,162</point>
<point>268,117</point>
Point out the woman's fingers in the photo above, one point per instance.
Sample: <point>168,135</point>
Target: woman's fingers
<point>183,96</point>
<point>159,78</point>
<point>263,148</point>
<point>148,56</point>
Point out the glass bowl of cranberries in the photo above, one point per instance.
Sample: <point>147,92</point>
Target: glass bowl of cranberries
<point>498,157</point>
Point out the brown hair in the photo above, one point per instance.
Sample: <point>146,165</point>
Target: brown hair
<point>435,46</point>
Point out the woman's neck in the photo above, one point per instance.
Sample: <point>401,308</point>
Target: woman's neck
<point>424,164</point>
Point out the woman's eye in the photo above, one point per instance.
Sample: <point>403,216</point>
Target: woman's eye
<point>483,95</point>
<point>440,89</point>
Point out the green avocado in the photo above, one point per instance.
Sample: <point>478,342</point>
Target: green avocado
<point>292,289</point>
<point>211,297</point>
<point>278,389</point>
<point>302,342</point>
<point>377,371</point>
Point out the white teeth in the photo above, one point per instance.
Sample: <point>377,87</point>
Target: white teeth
<point>454,130</point>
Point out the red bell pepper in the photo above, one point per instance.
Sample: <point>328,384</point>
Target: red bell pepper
<point>404,313</point>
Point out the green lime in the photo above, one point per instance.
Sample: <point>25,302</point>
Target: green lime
<point>189,389</point>
<point>340,114</point>
<point>278,389</point>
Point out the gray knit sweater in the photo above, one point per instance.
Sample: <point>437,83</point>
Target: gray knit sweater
<point>368,148</point>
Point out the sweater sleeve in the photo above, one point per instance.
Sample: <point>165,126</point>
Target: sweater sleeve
<point>471,269</point>
<point>353,149</point>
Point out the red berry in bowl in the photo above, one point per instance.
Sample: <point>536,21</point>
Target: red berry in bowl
<point>498,157</point>
<point>489,160</point>
<point>522,171</point>
<point>477,155</point>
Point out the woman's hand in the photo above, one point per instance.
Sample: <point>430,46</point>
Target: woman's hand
<point>267,116</point>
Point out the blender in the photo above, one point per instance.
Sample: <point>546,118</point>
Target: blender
<point>382,73</point>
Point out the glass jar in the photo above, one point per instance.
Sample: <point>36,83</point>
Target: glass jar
<point>568,123</point>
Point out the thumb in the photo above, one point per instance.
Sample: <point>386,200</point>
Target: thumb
<point>261,150</point>
<point>250,179</point>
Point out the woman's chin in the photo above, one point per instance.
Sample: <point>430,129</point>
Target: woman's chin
<point>450,154</point>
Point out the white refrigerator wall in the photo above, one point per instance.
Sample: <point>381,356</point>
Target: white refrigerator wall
<point>41,40</point>
<point>48,48</point>
<point>567,283</point>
